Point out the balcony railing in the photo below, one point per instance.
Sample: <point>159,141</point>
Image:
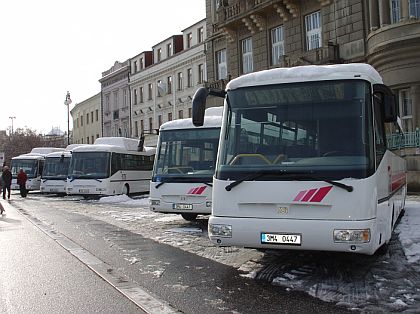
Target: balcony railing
<point>404,140</point>
<point>323,55</point>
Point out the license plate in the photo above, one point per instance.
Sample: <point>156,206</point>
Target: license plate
<point>183,206</point>
<point>84,191</point>
<point>278,238</point>
<point>53,190</point>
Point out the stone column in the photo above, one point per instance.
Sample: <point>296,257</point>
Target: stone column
<point>385,13</point>
<point>373,15</point>
<point>405,10</point>
<point>415,103</point>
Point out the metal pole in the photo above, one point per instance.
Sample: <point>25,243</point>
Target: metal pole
<point>12,123</point>
<point>67,102</point>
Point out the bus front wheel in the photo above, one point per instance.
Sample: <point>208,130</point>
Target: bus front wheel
<point>189,217</point>
<point>126,190</point>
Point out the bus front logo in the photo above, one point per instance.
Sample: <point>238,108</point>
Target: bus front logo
<point>197,191</point>
<point>312,195</point>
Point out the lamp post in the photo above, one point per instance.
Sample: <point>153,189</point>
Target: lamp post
<point>12,118</point>
<point>67,102</point>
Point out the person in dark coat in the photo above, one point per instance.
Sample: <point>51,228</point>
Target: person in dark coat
<point>7,181</point>
<point>21,180</point>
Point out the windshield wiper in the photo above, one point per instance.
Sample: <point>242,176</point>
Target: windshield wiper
<point>294,176</point>
<point>182,179</point>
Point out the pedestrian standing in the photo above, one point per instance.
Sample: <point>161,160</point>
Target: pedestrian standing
<point>21,180</point>
<point>7,181</point>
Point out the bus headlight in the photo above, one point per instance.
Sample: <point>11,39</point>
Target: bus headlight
<point>220,230</point>
<point>352,235</point>
<point>154,202</point>
<point>208,204</point>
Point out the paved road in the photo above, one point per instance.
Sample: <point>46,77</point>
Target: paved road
<point>39,276</point>
<point>185,281</point>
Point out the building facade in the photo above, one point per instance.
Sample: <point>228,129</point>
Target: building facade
<point>252,35</point>
<point>164,80</point>
<point>87,120</point>
<point>115,100</point>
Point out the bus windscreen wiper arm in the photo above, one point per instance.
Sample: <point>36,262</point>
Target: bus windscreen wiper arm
<point>296,175</point>
<point>182,179</point>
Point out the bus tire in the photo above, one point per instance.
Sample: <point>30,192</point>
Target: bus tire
<point>126,189</point>
<point>189,216</point>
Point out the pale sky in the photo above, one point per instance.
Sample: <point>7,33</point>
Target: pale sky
<point>49,47</point>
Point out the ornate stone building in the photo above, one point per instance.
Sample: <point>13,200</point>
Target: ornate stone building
<point>164,80</point>
<point>115,100</point>
<point>252,35</point>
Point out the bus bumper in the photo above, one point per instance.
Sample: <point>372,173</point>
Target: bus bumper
<point>312,234</point>
<point>181,207</point>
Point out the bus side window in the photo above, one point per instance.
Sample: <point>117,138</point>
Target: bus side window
<point>380,144</point>
<point>115,162</point>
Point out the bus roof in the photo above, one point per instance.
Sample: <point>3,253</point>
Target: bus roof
<point>122,142</point>
<point>29,156</point>
<point>59,154</point>
<point>307,73</point>
<point>45,150</point>
<point>212,119</point>
<point>73,146</point>
<point>113,148</point>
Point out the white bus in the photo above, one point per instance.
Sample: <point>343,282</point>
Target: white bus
<point>184,166</point>
<point>56,166</point>
<point>303,163</point>
<point>110,166</point>
<point>33,164</point>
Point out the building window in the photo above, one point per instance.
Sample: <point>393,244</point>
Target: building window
<point>150,88</point>
<point>136,129</point>
<point>87,139</point>
<point>415,8</point>
<point>395,7</point>
<point>77,122</point>
<point>107,104</point>
<point>159,120</point>
<point>221,64</point>
<point>247,61</point>
<point>135,67</point>
<point>189,78</point>
<point>141,92</point>
<point>141,63</point>
<point>169,83</point>
<point>169,49</point>
<point>180,81</point>
<point>159,54</point>
<point>189,40</point>
<point>170,116</point>
<point>116,105</point>
<point>81,120</point>
<point>159,83</point>
<point>150,125</point>
<point>125,96</point>
<point>87,118</point>
<point>97,115</point>
<point>406,108</point>
<point>180,114</point>
<point>200,73</point>
<point>189,112</point>
<point>93,139</point>
<point>313,30</point>
<point>277,45</point>
<point>200,34</point>
<point>135,96</point>
<point>91,117</point>
<point>142,126</point>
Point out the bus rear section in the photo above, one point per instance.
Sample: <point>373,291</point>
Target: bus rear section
<point>303,162</point>
<point>32,163</point>
<point>110,166</point>
<point>184,166</point>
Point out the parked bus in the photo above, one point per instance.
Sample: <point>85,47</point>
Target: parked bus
<point>33,164</point>
<point>110,166</point>
<point>56,166</point>
<point>184,166</point>
<point>303,162</point>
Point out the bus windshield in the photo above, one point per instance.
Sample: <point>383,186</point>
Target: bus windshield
<point>186,153</point>
<point>30,166</point>
<point>322,128</point>
<point>89,165</point>
<point>56,168</point>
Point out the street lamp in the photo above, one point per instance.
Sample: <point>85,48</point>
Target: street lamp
<point>12,118</point>
<point>67,102</point>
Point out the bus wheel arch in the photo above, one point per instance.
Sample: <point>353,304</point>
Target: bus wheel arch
<point>126,189</point>
<point>189,216</point>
